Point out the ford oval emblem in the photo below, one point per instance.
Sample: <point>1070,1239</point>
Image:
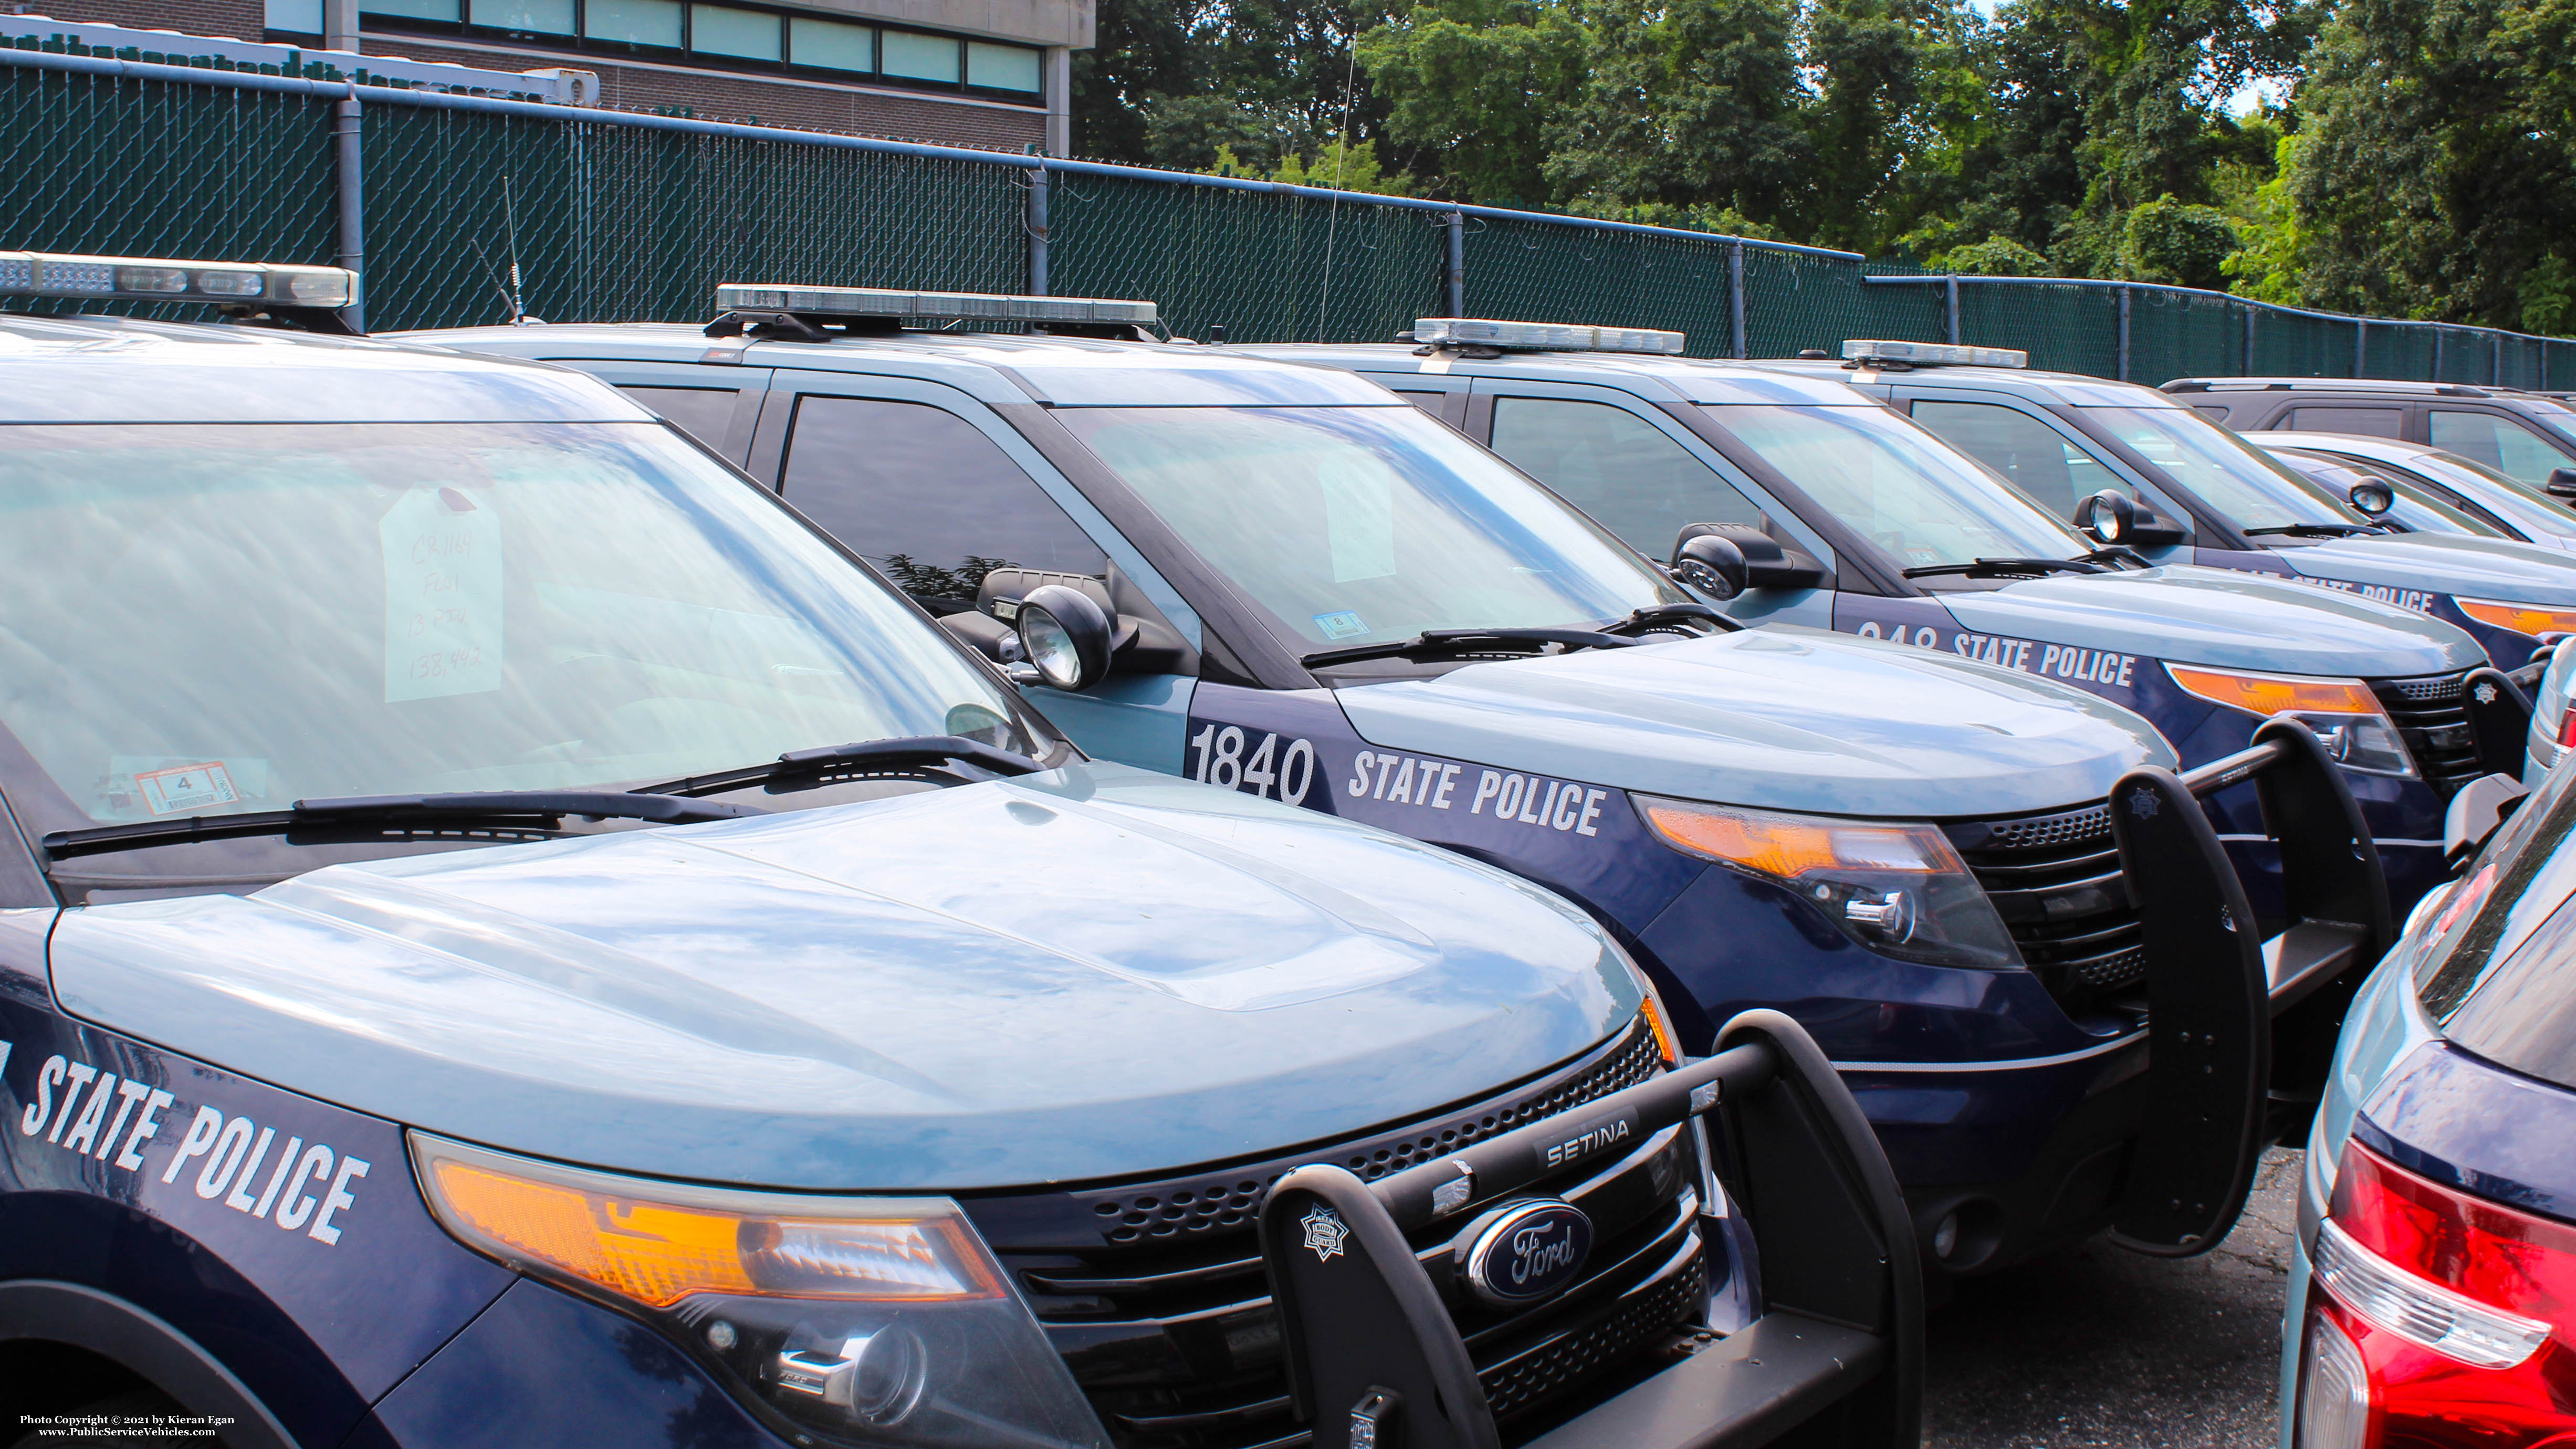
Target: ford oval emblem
<point>1527,1252</point>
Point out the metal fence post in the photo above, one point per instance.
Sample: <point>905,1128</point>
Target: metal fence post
<point>2361,349</point>
<point>2248,369</point>
<point>1038,230</point>
<point>2495,365</point>
<point>1735,293</point>
<point>347,137</point>
<point>2437,356</point>
<point>1457,229</point>
<point>2124,333</point>
<point>1954,309</point>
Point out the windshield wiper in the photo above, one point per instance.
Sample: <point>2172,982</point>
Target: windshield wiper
<point>2316,530</point>
<point>1653,614</point>
<point>1454,641</point>
<point>1994,568</point>
<point>506,814</point>
<point>903,755</point>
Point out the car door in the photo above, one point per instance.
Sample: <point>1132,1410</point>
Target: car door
<point>2043,458</point>
<point>718,406</point>
<point>2496,438</point>
<point>1639,475</point>
<point>936,492</point>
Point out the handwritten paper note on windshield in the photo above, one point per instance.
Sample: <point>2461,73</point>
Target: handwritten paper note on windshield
<point>442,595</point>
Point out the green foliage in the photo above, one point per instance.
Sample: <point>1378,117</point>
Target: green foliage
<point>1477,83</point>
<point>2424,165</point>
<point>2177,243</point>
<point>1996,256</point>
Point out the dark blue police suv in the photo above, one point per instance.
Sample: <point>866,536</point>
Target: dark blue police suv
<point>509,936</point>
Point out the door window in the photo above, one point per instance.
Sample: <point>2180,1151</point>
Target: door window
<point>925,496</point>
<point>1628,474</point>
<point>2033,457</point>
<point>701,412</point>
<point>2498,442</point>
<point>2357,422</point>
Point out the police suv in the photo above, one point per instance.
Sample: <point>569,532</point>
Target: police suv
<point>1280,579</point>
<point>1799,501</point>
<point>2145,469</point>
<point>509,937</point>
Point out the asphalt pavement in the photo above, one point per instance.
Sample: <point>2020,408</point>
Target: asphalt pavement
<point>2104,1349</point>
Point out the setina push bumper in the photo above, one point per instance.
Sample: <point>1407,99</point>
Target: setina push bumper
<point>2240,1029</point>
<point>1375,1356</point>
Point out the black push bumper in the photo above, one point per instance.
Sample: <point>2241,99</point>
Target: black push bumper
<point>2240,1030</point>
<point>1375,1360</point>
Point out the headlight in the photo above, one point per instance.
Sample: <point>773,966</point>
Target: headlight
<point>2345,715</point>
<point>1897,889</point>
<point>2520,618</point>
<point>875,1321</point>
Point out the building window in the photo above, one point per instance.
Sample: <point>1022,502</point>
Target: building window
<point>532,17</point>
<point>295,17</point>
<point>728,37</point>
<point>445,11</point>
<point>831,45</point>
<point>720,30</point>
<point>1002,67</point>
<point>920,57</point>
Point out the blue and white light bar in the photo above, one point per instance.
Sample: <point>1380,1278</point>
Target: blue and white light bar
<point>929,306</point>
<point>1543,336</point>
<point>1934,354</point>
<point>157,279</point>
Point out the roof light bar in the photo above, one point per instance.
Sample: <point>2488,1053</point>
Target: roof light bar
<point>935,306</point>
<point>1934,354</point>
<point>1543,336</point>
<point>158,279</point>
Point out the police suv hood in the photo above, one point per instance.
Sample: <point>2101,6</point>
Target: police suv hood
<point>1780,717</point>
<point>1089,973</point>
<point>2502,569</point>
<point>2220,617</point>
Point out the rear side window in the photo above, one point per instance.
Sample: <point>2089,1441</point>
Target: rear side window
<point>1628,474</point>
<point>701,412</point>
<point>2500,443</point>
<point>2499,975</point>
<point>2033,457</point>
<point>2522,1014</point>
<point>922,494</point>
<point>2355,422</point>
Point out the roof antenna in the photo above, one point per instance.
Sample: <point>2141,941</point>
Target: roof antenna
<point>1341,157</point>
<point>518,301</point>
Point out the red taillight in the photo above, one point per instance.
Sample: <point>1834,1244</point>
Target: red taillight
<point>2441,1319</point>
<point>2567,729</point>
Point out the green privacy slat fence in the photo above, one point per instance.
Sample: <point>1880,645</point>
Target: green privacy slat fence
<point>619,217</point>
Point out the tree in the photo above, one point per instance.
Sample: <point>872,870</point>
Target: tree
<point>1889,99</point>
<point>2177,243</point>
<point>1996,256</point>
<point>1686,102</point>
<point>1473,87</point>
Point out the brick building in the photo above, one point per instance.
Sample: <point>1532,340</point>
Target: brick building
<point>986,73</point>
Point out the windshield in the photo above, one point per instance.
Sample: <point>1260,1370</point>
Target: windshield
<point>2417,507</point>
<point>2231,477</point>
<point>2499,974</point>
<point>1362,525</point>
<point>215,619</point>
<point>1882,475</point>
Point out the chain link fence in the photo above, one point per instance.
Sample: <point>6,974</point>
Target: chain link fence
<point>474,207</point>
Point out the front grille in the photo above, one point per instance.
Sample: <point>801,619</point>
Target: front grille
<point>2432,716</point>
<point>1205,1203</point>
<point>1154,1291</point>
<point>2055,880</point>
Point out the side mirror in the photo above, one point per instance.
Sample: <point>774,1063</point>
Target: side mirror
<point>2113,518</point>
<point>1768,564</point>
<point>2476,813</point>
<point>1710,564</point>
<point>2108,517</point>
<point>2373,496</point>
<point>2561,484</point>
<point>1065,636</point>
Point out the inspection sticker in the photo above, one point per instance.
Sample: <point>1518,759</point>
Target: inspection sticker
<point>186,787</point>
